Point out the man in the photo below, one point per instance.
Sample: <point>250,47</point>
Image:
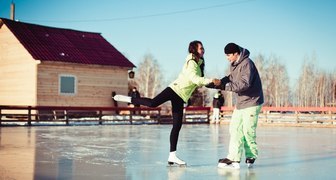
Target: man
<point>215,109</point>
<point>220,99</point>
<point>244,81</point>
<point>217,103</point>
<point>134,93</point>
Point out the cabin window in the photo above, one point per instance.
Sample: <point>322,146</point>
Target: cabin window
<point>67,84</point>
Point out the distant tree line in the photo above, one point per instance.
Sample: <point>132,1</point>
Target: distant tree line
<point>315,87</point>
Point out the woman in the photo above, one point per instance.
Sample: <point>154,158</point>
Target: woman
<point>178,92</point>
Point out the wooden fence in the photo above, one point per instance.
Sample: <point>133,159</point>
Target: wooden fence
<point>54,115</point>
<point>291,115</point>
<point>36,115</point>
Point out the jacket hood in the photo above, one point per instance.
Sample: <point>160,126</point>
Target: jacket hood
<point>192,57</point>
<point>244,54</point>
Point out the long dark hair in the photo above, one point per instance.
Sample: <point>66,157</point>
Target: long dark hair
<point>193,50</point>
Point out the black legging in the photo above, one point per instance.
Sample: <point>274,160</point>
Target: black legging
<point>177,107</point>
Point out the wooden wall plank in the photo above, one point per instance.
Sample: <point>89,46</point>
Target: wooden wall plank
<point>17,71</point>
<point>95,84</point>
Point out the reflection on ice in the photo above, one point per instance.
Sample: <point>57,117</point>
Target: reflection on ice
<point>141,152</point>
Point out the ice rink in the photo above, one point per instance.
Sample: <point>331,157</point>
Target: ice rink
<point>141,152</point>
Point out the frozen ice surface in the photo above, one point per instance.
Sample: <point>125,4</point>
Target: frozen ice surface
<point>141,152</point>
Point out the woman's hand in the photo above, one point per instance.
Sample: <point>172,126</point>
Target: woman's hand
<point>217,82</point>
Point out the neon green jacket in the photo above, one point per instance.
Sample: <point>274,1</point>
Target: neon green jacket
<point>189,78</point>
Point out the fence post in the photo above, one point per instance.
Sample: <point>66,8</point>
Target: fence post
<point>266,118</point>
<point>100,117</point>
<point>159,116</point>
<point>54,115</point>
<point>331,117</point>
<point>297,116</point>
<point>29,115</point>
<point>208,116</point>
<point>66,117</point>
<point>0,115</point>
<point>131,117</point>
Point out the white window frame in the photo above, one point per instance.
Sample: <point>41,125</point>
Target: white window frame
<point>60,85</point>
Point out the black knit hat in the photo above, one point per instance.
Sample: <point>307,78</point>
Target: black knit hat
<point>231,48</point>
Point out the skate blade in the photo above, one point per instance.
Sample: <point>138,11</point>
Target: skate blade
<point>249,165</point>
<point>173,164</point>
<point>229,166</point>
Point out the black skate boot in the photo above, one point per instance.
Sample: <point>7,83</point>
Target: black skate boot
<point>227,163</point>
<point>249,162</point>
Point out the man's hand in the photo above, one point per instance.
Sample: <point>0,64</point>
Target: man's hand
<point>225,80</point>
<point>216,82</point>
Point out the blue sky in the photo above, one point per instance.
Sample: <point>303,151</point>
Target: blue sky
<point>288,29</point>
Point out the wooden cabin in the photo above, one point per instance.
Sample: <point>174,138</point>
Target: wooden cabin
<point>48,66</point>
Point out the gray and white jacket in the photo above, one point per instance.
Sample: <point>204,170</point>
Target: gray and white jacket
<point>245,82</point>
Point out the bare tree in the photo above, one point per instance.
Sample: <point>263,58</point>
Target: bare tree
<point>305,87</point>
<point>320,87</point>
<point>261,65</point>
<point>333,91</point>
<point>315,87</point>
<point>149,76</point>
<point>274,79</point>
<point>324,86</point>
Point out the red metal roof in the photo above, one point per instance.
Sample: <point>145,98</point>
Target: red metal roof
<point>66,45</point>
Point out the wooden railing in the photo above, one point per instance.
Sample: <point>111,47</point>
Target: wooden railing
<point>64,114</point>
<point>38,115</point>
<point>35,115</point>
<point>320,115</point>
<point>198,114</point>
